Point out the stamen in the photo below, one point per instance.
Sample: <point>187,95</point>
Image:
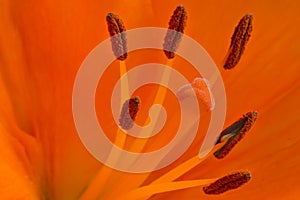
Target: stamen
<point>239,40</point>
<point>146,192</point>
<point>226,183</point>
<point>232,130</point>
<point>234,133</point>
<point>129,112</point>
<point>177,24</point>
<point>101,178</point>
<point>117,29</point>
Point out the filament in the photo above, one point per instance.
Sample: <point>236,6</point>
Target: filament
<point>147,191</point>
<point>104,173</point>
<point>138,145</point>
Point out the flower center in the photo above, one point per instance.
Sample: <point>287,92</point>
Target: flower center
<point>200,86</point>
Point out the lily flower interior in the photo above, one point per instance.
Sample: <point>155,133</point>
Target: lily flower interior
<point>255,47</point>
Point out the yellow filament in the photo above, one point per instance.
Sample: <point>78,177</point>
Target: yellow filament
<point>160,95</point>
<point>102,176</point>
<point>213,79</point>
<point>181,169</point>
<point>124,83</point>
<point>138,145</point>
<point>159,99</point>
<point>148,191</point>
<point>178,171</point>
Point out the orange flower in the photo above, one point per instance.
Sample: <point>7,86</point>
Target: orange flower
<point>42,45</point>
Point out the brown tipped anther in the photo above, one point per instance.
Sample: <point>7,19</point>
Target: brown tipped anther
<point>117,30</point>
<point>128,113</point>
<point>239,40</point>
<point>234,133</point>
<point>177,24</point>
<point>227,183</point>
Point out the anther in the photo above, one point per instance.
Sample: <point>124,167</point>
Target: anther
<point>117,30</point>
<point>239,40</point>
<point>228,182</point>
<point>128,113</point>
<point>177,24</point>
<point>234,133</point>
